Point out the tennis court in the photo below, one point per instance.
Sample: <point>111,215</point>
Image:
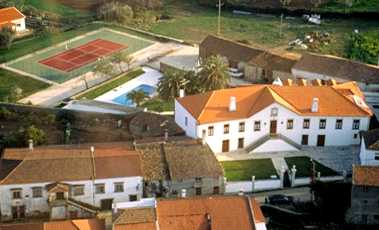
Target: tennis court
<point>82,55</point>
<point>77,56</point>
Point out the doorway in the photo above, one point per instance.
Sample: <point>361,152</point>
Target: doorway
<point>273,125</point>
<point>106,204</point>
<point>225,146</point>
<point>321,140</point>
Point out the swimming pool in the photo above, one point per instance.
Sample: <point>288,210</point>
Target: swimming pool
<point>123,99</point>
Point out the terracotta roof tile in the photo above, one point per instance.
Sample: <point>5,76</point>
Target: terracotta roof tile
<point>252,99</point>
<point>366,175</point>
<point>80,224</point>
<point>224,212</point>
<point>26,226</point>
<point>339,68</point>
<point>136,216</point>
<point>371,139</point>
<point>72,164</point>
<point>9,14</point>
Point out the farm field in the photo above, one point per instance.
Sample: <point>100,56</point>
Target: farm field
<point>193,23</point>
<point>10,81</point>
<point>37,63</point>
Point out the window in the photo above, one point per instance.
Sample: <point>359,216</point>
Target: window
<point>119,187</point>
<point>198,179</point>
<point>216,190</point>
<point>37,192</point>
<point>99,188</point>
<point>274,112</point>
<point>78,190</point>
<point>186,121</point>
<point>304,140</point>
<point>355,135</point>
<point>241,127</point>
<point>356,124</point>
<point>306,124</point>
<point>59,196</point>
<point>132,197</point>
<point>257,126</point>
<point>322,124</point>
<point>240,143</point>
<point>198,191</point>
<point>290,124</point>
<point>16,194</point>
<point>226,129</point>
<point>339,124</point>
<point>377,156</point>
<point>210,131</point>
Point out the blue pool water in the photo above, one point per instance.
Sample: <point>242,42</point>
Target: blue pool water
<point>124,100</point>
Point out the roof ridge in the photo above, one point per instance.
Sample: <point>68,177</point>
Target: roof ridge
<point>346,99</point>
<point>277,94</point>
<point>11,172</point>
<point>203,109</point>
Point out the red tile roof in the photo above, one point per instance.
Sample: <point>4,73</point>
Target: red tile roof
<point>10,14</point>
<point>366,175</point>
<point>80,224</point>
<point>213,106</point>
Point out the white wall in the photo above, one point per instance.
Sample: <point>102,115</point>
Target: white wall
<point>21,23</point>
<point>275,145</point>
<point>180,115</point>
<point>260,226</point>
<point>367,156</point>
<point>40,204</point>
<point>334,137</point>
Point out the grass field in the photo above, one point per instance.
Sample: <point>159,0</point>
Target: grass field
<point>94,93</point>
<point>245,169</point>
<point>10,80</point>
<point>193,23</point>
<point>56,8</point>
<point>32,65</point>
<point>303,166</point>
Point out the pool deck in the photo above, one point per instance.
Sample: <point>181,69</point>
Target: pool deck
<point>150,77</point>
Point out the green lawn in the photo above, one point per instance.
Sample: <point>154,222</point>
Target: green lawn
<point>92,94</point>
<point>358,6</point>
<point>193,23</point>
<point>56,8</point>
<point>9,81</point>
<point>303,166</point>
<point>245,169</point>
<point>158,105</point>
<point>32,65</point>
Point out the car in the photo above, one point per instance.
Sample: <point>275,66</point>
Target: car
<point>278,199</point>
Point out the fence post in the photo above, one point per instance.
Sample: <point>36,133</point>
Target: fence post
<point>252,183</point>
<point>293,176</point>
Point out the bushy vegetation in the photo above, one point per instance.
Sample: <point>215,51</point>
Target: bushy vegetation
<point>364,47</point>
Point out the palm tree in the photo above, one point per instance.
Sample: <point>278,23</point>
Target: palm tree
<point>193,85</point>
<point>214,74</point>
<point>137,96</point>
<point>170,84</point>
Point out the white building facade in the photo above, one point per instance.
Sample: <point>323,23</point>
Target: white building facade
<point>12,18</point>
<point>369,151</point>
<point>273,128</point>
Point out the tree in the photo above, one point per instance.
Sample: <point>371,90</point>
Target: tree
<point>137,96</point>
<point>170,84</point>
<point>120,58</point>
<point>214,74</point>
<point>6,38</point>
<point>364,48</point>
<point>15,94</point>
<point>104,67</point>
<point>115,12</point>
<point>37,135</point>
<point>193,85</point>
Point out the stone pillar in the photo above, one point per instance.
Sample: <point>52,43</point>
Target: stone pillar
<point>293,176</point>
<point>252,183</point>
<point>281,176</point>
<point>318,176</point>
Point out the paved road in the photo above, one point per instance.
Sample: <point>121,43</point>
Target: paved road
<point>300,193</point>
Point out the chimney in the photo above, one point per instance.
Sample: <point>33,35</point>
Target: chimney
<point>315,105</point>
<point>181,93</point>
<point>209,221</point>
<point>184,193</point>
<point>31,145</point>
<point>233,104</point>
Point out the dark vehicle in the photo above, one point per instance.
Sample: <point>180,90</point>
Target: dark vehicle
<point>278,199</point>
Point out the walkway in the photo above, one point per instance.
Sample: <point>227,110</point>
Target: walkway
<point>334,157</point>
